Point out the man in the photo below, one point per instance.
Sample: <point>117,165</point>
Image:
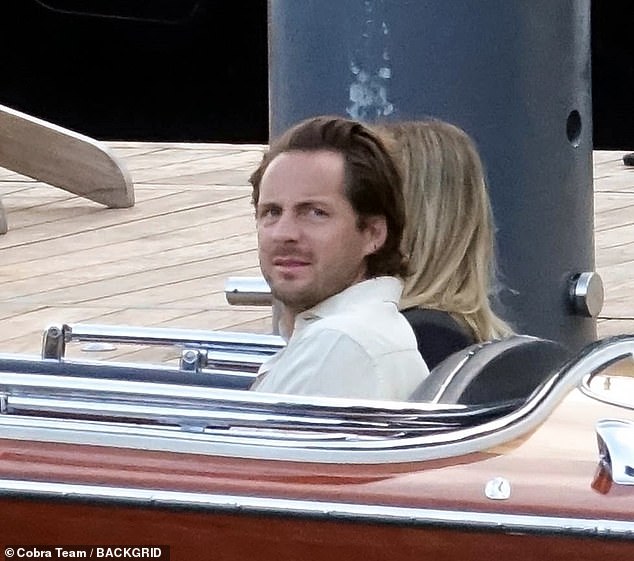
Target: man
<point>330,216</point>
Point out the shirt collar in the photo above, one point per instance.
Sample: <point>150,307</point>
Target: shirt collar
<point>382,289</point>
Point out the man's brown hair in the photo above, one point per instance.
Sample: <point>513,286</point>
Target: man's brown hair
<point>372,181</point>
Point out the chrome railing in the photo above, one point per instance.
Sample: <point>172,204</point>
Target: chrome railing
<point>200,349</point>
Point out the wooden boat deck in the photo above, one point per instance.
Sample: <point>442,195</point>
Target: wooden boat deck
<point>164,262</point>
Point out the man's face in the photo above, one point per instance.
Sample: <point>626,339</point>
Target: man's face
<point>310,246</point>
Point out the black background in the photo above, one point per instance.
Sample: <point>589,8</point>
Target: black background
<point>198,77</point>
<point>196,70</point>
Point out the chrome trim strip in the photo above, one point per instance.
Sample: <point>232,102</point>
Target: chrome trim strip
<point>409,516</point>
<point>171,336</point>
<point>450,377</point>
<point>102,387</point>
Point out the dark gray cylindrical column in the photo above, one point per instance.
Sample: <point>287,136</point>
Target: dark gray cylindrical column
<point>515,74</point>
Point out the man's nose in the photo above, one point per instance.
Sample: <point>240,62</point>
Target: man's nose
<point>286,228</point>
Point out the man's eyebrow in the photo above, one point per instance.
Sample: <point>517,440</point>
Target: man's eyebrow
<point>312,202</point>
<point>298,204</point>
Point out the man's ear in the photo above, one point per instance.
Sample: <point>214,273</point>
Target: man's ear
<point>376,233</point>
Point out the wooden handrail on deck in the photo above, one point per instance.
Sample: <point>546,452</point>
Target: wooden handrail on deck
<point>62,158</point>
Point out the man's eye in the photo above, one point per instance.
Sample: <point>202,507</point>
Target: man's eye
<point>318,212</point>
<point>269,212</point>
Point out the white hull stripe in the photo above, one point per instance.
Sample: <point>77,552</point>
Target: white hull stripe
<point>381,514</point>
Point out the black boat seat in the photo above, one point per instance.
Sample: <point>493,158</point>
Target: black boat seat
<point>500,370</point>
<point>438,335</point>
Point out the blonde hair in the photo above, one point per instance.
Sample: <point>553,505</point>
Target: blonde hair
<point>449,232</point>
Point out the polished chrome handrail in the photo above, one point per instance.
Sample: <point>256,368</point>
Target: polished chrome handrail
<point>56,337</point>
<point>222,413</point>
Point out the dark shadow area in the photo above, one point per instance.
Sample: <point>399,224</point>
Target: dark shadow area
<point>612,76</point>
<point>196,70</point>
<point>177,70</point>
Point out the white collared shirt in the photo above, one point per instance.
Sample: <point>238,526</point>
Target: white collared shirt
<point>354,344</point>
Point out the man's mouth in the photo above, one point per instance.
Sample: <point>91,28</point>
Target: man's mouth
<point>289,262</point>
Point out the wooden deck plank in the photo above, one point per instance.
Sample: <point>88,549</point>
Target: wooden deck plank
<point>607,327</point>
<point>602,157</point>
<point>619,182</point>
<point>614,250</point>
<point>108,232</point>
<point>608,202</point>
<point>158,204</point>
<point>168,246</point>
<point>183,261</point>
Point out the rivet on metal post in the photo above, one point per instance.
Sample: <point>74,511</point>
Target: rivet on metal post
<point>54,342</point>
<point>586,294</point>
<point>192,360</point>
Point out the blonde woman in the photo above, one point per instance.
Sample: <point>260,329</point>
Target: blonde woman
<point>449,238</point>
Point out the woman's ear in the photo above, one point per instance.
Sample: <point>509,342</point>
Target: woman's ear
<point>376,233</point>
